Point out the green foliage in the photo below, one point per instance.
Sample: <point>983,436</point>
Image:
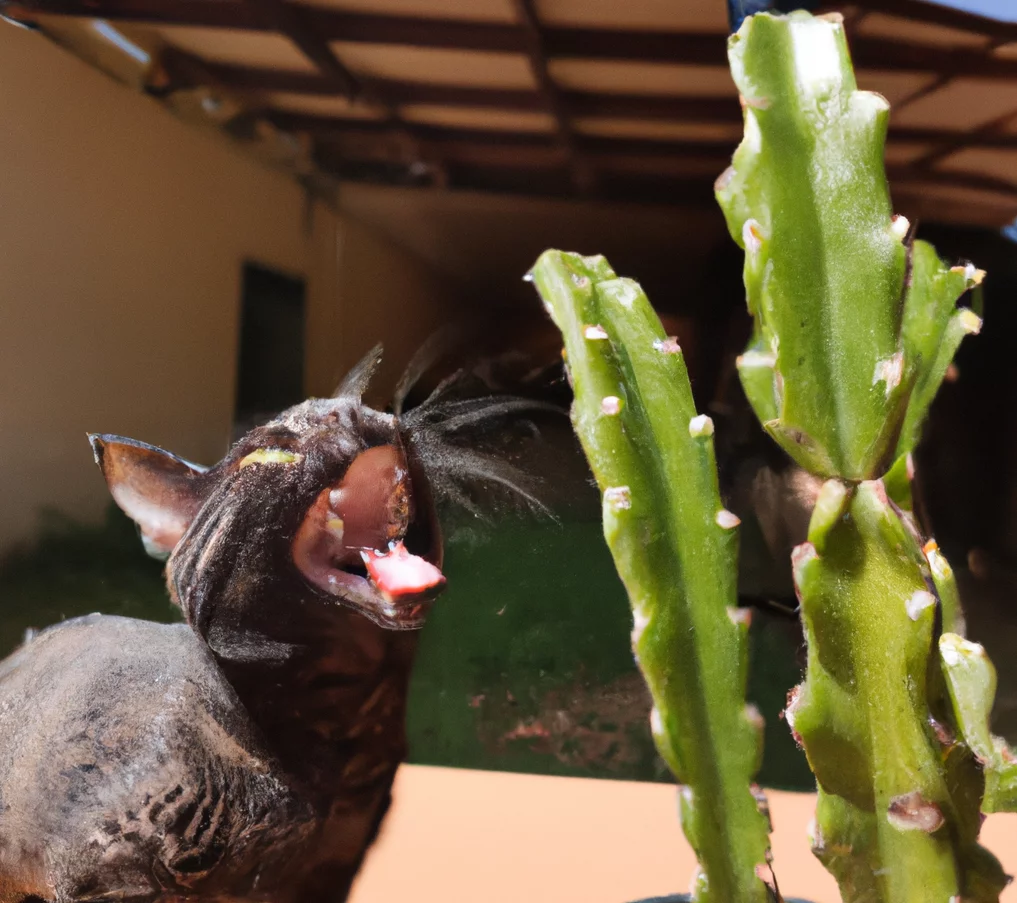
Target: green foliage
<point>75,569</point>
<point>675,549</point>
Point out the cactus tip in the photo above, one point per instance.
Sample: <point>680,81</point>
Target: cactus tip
<point>640,621</point>
<point>594,332</point>
<point>752,236</point>
<point>801,555</point>
<point>890,370</point>
<point>657,727</point>
<point>618,498</point>
<point>754,716</point>
<point>667,346</point>
<point>727,519</point>
<point>920,600</point>
<point>701,425</point>
<point>724,179</point>
<point>756,359</point>
<point>953,649</point>
<point>972,275</point>
<point>911,812</point>
<point>899,227</point>
<point>741,617</point>
<point>610,405</point>
<point>791,711</point>
<point>756,103</point>
<point>970,321</point>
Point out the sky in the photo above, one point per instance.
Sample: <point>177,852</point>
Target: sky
<point>1005,10</point>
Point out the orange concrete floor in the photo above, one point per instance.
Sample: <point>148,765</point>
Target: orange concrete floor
<point>458,836</point>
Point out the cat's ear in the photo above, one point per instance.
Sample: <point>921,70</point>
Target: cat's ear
<point>157,490</point>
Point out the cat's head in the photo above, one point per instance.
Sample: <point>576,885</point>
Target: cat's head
<point>331,503</point>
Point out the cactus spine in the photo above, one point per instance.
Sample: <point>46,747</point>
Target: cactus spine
<point>675,548</point>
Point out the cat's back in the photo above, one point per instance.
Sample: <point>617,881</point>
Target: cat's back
<point>128,766</point>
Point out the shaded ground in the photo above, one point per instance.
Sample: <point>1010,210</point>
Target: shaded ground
<point>524,666</point>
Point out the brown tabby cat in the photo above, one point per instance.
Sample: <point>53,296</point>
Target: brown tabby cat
<point>247,754</point>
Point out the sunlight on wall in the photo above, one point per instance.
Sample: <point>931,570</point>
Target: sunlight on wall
<point>123,232</point>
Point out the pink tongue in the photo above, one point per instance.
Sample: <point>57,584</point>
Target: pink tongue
<point>398,573</point>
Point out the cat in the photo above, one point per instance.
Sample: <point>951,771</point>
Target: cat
<point>249,752</point>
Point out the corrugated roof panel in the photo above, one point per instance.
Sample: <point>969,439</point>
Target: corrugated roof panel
<point>672,15</point>
<point>471,10</point>
<point>878,25</point>
<point>239,48</point>
<point>477,118</point>
<point>962,104</point>
<point>430,64</point>
<point>643,78</point>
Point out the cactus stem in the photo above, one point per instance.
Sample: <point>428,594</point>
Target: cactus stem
<point>675,549</point>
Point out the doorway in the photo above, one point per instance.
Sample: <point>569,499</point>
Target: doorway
<point>270,368</point>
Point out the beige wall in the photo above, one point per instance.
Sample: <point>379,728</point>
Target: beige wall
<point>122,234</point>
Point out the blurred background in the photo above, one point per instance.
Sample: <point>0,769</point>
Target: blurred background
<point>209,209</point>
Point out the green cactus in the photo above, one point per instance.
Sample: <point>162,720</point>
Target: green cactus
<point>971,684</point>
<point>855,329</point>
<point>845,353</point>
<point>863,713</point>
<point>675,548</point>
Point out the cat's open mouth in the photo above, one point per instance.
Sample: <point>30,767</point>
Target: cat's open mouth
<point>366,542</point>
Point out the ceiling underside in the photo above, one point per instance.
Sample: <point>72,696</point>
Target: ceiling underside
<point>592,99</point>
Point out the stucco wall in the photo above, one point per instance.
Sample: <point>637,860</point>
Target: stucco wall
<point>122,236</point>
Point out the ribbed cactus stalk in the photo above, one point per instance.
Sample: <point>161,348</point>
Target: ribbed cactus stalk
<point>897,819</point>
<point>855,327</point>
<point>847,350</point>
<point>675,548</point>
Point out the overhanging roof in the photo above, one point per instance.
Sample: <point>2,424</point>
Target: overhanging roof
<point>570,98</point>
